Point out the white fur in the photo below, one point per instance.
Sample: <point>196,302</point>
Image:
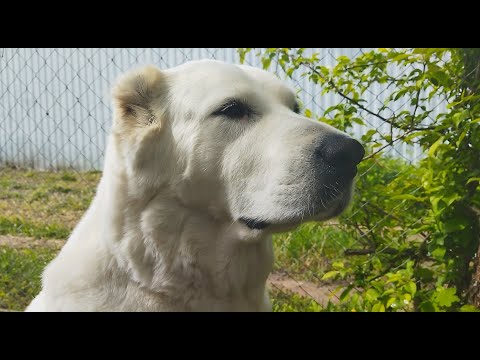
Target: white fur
<point>163,231</point>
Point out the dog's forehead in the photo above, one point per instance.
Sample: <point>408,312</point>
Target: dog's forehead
<point>270,83</point>
<point>213,72</point>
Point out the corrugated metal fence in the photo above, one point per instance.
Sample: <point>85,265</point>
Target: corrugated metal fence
<point>55,103</point>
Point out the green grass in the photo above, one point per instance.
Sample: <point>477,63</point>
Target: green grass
<point>20,271</point>
<point>286,301</point>
<point>48,205</point>
<point>16,226</point>
<point>308,252</point>
<point>44,204</point>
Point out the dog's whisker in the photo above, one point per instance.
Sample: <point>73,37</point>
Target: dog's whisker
<point>323,203</point>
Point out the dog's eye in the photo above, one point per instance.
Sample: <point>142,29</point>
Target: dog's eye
<point>233,110</point>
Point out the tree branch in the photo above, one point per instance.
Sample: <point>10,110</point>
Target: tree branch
<point>387,145</point>
<point>366,65</point>
<point>352,252</point>
<point>346,97</point>
<point>418,97</point>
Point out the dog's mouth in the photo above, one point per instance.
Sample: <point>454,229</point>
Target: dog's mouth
<point>281,225</point>
<point>329,210</point>
<point>254,224</point>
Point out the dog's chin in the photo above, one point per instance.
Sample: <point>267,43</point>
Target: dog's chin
<point>281,224</point>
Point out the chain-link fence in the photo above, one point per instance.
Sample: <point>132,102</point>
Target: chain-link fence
<point>55,103</point>
<point>55,110</point>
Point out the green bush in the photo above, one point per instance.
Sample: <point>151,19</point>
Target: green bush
<point>416,226</point>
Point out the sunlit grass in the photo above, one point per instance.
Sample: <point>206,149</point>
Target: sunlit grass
<point>48,205</point>
<point>20,271</point>
<point>44,203</point>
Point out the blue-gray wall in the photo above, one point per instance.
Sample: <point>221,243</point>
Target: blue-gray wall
<point>55,103</point>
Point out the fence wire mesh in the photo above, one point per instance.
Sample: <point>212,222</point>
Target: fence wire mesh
<point>55,114</point>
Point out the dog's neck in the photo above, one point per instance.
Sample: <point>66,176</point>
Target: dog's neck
<point>164,245</point>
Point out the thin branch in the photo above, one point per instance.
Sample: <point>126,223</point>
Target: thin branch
<point>363,236</point>
<point>346,97</point>
<point>385,213</point>
<point>351,252</point>
<point>475,210</point>
<point>418,96</point>
<point>365,65</point>
<point>387,145</point>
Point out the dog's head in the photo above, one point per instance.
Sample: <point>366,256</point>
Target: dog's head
<point>229,141</point>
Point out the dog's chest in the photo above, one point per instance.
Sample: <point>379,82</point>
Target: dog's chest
<point>221,277</point>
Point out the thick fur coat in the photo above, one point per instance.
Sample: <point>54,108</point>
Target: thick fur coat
<point>204,162</point>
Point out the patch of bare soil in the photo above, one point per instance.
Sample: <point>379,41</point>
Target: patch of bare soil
<point>22,242</point>
<point>320,293</point>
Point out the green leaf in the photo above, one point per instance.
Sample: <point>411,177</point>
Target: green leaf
<point>424,51</point>
<point>379,307</point>
<point>388,292</point>
<point>435,146</point>
<point>345,292</point>
<point>427,306</point>
<point>439,253</point>
<point>330,109</point>
<point>400,94</point>
<point>343,59</point>
<point>407,298</point>
<point>392,278</point>
<point>368,135</point>
<point>449,199</point>
<point>439,78</point>
<point>473,179</point>
<point>461,137</point>
<point>308,113</point>
<point>446,296</point>
<point>425,274</point>
<point>458,118</point>
<point>456,224</point>
<point>391,301</point>
<point>371,295</point>
<point>243,53</point>
<point>338,265</point>
<point>435,201</point>
<point>357,121</point>
<point>469,308</point>
<point>330,274</point>
<point>325,71</point>
<point>407,197</point>
<point>416,134</point>
<point>411,287</point>
<point>266,63</point>
<point>400,57</point>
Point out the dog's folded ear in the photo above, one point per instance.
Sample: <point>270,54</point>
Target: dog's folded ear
<point>139,96</point>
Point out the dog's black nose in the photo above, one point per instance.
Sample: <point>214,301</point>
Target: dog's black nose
<point>340,151</point>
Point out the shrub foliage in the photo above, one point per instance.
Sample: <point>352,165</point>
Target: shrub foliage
<point>416,225</point>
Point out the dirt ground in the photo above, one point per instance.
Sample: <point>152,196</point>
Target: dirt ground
<point>21,242</point>
<point>278,280</point>
<point>320,293</point>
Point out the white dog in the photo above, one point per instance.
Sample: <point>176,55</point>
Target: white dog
<point>204,162</point>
